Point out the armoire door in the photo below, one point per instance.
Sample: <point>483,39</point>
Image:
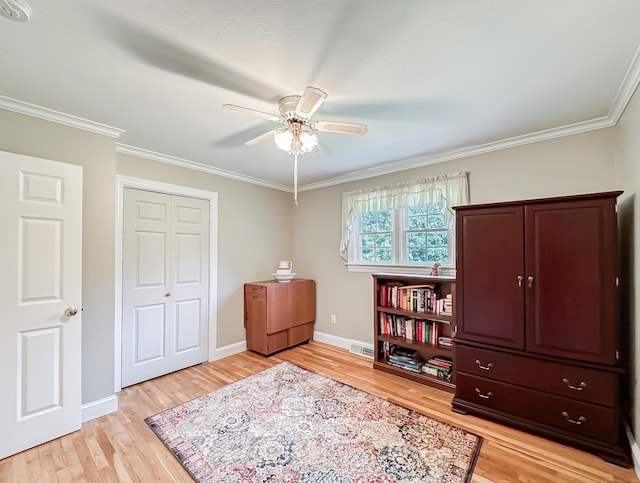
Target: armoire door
<point>40,301</point>
<point>571,279</point>
<point>165,284</point>
<point>490,288</point>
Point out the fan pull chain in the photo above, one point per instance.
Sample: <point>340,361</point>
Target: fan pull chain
<point>295,180</point>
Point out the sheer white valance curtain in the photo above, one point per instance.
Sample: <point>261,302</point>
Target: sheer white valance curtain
<point>447,190</point>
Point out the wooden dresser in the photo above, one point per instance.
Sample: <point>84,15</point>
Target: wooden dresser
<point>279,315</point>
<point>538,342</point>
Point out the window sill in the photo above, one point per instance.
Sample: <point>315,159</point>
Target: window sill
<point>447,271</point>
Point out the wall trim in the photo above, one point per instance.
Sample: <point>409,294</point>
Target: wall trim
<point>123,182</point>
<point>98,408</point>
<point>32,110</point>
<point>185,163</point>
<point>333,340</point>
<point>230,350</point>
<point>635,451</point>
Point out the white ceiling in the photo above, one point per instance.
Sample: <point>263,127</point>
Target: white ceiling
<point>433,79</point>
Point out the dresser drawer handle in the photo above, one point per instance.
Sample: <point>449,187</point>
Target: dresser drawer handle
<point>484,368</point>
<point>578,421</point>
<point>484,396</point>
<point>575,388</point>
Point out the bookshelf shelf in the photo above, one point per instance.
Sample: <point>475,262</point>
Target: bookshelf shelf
<point>414,322</point>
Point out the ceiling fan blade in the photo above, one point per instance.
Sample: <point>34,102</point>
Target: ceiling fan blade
<point>311,99</point>
<point>250,112</point>
<point>340,127</point>
<point>161,51</point>
<point>262,137</point>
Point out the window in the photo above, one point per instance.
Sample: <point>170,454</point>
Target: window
<point>404,225</point>
<point>413,236</point>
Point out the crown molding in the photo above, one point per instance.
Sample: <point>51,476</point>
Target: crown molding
<point>627,87</point>
<point>419,161</point>
<point>22,107</point>
<point>184,163</point>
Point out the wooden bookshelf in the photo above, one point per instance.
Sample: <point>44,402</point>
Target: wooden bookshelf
<point>411,312</point>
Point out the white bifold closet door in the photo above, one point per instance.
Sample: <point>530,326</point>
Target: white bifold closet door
<point>165,284</point>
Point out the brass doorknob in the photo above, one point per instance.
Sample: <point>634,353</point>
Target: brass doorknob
<point>70,311</point>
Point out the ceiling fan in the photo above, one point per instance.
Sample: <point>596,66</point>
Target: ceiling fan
<point>297,136</point>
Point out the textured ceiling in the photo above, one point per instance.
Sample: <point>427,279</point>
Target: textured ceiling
<point>431,79</point>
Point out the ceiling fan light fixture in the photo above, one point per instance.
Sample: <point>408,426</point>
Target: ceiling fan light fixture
<point>283,139</point>
<point>308,141</point>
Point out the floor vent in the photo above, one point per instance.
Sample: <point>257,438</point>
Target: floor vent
<point>361,348</point>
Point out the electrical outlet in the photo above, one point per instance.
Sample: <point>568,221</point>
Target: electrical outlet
<point>333,318</point>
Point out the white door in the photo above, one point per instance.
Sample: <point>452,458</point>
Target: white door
<point>165,274</point>
<point>41,253</point>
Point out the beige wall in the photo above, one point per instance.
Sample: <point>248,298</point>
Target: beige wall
<point>627,143</point>
<point>96,154</point>
<point>254,232</point>
<point>569,165</point>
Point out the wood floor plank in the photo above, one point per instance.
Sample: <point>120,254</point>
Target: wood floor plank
<point>120,447</point>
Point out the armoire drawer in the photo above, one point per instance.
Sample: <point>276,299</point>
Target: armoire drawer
<point>590,385</point>
<point>576,416</point>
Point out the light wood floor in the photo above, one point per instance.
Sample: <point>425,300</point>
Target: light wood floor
<point>120,446</point>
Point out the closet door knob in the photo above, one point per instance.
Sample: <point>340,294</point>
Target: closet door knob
<point>530,279</point>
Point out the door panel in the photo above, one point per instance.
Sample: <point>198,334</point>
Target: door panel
<point>490,295</point>
<point>190,286</point>
<point>41,258</point>
<point>145,285</point>
<point>568,304</point>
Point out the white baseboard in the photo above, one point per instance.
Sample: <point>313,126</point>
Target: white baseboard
<point>98,408</point>
<point>332,340</point>
<point>229,350</point>
<point>635,451</point>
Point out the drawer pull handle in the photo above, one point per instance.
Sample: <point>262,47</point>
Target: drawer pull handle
<point>578,421</point>
<point>484,396</point>
<point>484,368</point>
<point>575,388</point>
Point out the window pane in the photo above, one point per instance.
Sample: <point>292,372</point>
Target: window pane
<point>367,254</point>
<point>416,255</point>
<point>437,238</point>
<point>440,254</point>
<point>384,221</point>
<point>383,240</point>
<point>436,221</point>
<point>416,239</point>
<point>367,240</point>
<point>376,236</point>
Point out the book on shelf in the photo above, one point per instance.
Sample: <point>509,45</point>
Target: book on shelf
<point>405,358</point>
<point>445,341</point>
<point>422,298</point>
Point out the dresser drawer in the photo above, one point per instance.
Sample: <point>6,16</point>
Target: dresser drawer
<point>590,385</point>
<point>255,292</point>
<point>561,412</point>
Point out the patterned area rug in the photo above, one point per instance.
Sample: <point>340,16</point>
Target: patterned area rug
<point>287,424</point>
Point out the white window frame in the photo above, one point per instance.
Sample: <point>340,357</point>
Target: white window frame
<point>399,230</point>
<point>447,190</point>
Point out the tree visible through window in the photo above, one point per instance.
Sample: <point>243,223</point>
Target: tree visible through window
<point>375,237</point>
<point>426,236</point>
<point>415,235</point>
